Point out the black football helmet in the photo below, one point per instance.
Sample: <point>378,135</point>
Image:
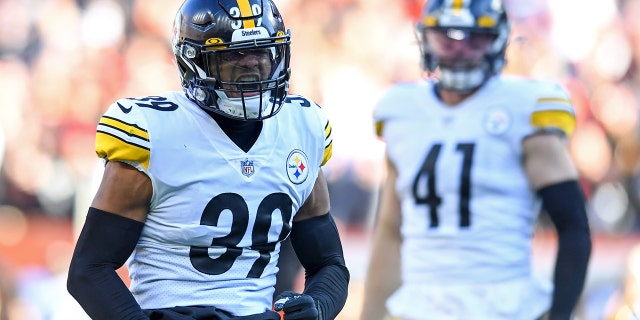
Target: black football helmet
<point>210,35</point>
<point>460,21</point>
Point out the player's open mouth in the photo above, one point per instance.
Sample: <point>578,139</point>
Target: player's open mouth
<point>252,88</point>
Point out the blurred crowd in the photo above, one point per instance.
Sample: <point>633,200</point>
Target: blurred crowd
<point>62,62</point>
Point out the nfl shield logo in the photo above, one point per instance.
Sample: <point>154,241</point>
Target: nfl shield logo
<point>247,167</point>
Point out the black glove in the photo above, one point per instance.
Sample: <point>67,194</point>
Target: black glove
<point>297,306</point>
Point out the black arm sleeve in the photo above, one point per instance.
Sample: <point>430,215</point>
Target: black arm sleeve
<point>565,204</point>
<point>105,243</point>
<point>317,244</point>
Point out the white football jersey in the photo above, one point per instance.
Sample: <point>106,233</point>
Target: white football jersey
<point>468,211</point>
<point>218,214</point>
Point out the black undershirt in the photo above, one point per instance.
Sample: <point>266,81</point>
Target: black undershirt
<point>243,133</point>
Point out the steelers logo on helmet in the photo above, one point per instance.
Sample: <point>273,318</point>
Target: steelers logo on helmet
<point>297,170</point>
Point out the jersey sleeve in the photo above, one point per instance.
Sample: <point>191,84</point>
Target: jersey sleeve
<point>328,142</point>
<point>121,135</point>
<point>552,111</point>
<point>383,111</point>
<point>327,152</point>
<point>317,123</point>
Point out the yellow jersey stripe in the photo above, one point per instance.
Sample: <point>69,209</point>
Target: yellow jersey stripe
<point>378,128</point>
<point>555,100</point>
<point>328,152</point>
<point>328,143</point>
<point>327,131</point>
<point>114,148</point>
<point>245,11</point>
<point>558,119</point>
<point>129,129</point>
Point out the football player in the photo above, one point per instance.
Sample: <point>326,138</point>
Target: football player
<point>472,158</point>
<point>200,187</point>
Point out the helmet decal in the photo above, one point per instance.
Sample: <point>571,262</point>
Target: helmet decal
<point>250,33</point>
<point>244,10</point>
<point>213,41</point>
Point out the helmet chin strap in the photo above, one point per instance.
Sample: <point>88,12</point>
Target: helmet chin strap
<point>462,81</point>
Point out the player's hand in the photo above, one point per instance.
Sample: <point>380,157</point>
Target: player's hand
<point>297,306</point>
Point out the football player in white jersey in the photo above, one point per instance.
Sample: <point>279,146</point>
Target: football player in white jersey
<point>200,187</point>
<point>472,158</point>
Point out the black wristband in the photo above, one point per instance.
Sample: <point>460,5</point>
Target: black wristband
<point>105,243</point>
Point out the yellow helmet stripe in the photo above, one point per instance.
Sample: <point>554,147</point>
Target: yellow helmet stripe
<point>245,11</point>
<point>457,4</point>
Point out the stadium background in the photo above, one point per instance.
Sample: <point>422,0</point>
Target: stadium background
<point>62,62</point>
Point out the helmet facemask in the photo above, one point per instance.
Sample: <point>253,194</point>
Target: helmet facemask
<point>247,80</point>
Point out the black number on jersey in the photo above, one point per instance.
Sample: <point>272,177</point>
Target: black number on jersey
<point>303,102</point>
<point>431,199</point>
<point>236,204</point>
<point>155,102</point>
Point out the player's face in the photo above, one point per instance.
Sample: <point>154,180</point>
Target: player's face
<point>244,66</point>
<point>457,49</point>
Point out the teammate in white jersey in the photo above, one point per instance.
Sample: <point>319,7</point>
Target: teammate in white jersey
<point>471,156</point>
<point>200,187</point>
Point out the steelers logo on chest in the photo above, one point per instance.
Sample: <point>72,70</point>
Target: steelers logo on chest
<point>497,121</point>
<point>297,163</point>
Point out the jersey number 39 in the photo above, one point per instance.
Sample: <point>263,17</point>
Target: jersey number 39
<point>275,202</point>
